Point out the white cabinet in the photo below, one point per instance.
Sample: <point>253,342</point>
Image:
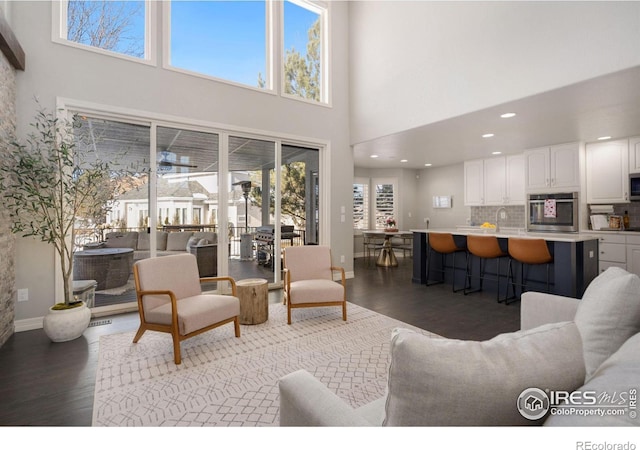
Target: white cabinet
<point>607,176</point>
<point>474,183</point>
<point>552,168</point>
<point>633,254</point>
<point>634,155</point>
<point>515,192</point>
<point>613,251</point>
<point>494,181</point>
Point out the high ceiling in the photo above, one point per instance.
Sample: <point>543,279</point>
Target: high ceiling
<point>606,106</point>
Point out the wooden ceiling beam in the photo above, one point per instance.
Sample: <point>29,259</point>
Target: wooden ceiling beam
<point>10,46</point>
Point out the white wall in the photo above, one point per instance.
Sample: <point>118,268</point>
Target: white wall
<point>415,63</point>
<point>448,180</point>
<point>55,70</point>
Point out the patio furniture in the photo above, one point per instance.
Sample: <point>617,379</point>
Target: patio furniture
<point>110,267</point>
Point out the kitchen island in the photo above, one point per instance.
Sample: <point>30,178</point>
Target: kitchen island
<point>575,259</point>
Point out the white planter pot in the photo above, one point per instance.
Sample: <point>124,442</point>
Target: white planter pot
<point>67,324</point>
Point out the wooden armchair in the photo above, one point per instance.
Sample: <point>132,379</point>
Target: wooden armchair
<point>170,299</point>
<point>308,279</point>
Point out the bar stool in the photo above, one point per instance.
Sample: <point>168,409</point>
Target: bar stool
<point>444,244</point>
<point>485,248</point>
<point>526,252</point>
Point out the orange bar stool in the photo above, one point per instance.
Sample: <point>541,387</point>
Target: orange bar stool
<point>485,248</point>
<point>526,252</point>
<point>444,244</point>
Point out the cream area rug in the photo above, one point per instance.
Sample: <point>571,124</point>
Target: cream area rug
<point>229,381</point>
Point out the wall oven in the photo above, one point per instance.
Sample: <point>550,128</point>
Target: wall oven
<point>634,186</point>
<point>553,212</point>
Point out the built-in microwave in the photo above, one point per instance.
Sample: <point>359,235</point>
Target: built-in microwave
<point>634,186</point>
<point>553,212</point>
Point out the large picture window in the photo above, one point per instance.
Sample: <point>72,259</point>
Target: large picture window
<point>220,39</point>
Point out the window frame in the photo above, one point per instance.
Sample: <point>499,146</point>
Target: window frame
<point>59,32</point>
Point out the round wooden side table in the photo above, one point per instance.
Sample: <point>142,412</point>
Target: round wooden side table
<point>253,294</point>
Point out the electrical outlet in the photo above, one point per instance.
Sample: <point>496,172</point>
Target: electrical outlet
<point>341,258</point>
<point>503,214</point>
<point>23,295</point>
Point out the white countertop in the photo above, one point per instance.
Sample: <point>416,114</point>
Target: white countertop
<point>506,232</point>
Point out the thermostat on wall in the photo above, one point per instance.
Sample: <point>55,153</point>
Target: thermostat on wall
<point>442,201</point>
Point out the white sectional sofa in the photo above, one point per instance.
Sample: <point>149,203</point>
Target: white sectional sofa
<point>588,348</point>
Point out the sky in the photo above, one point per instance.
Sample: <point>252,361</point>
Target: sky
<point>226,39</point>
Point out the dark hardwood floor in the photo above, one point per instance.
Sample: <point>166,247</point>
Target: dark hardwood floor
<point>51,384</point>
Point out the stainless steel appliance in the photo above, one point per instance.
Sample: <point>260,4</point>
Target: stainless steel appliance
<point>634,186</point>
<point>553,212</point>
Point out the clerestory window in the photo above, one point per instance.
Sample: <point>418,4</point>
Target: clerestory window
<point>116,27</point>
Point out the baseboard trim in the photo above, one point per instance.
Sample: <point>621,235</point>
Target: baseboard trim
<point>34,323</point>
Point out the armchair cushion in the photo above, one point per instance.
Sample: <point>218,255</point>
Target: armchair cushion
<point>315,291</point>
<point>197,312</point>
<point>608,315</point>
<point>448,382</point>
<point>308,262</point>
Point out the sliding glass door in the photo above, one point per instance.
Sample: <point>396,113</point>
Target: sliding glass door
<point>234,201</point>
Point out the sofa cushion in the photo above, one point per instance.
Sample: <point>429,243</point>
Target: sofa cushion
<point>608,315</point>
<point>178,241</point>
<point>144,241</point>
<point>210,236</point>
<point>444,382</point>
<point>116,239</point>
<point>616,379</point>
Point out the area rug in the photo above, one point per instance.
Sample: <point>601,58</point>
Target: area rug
<point>229,381</point>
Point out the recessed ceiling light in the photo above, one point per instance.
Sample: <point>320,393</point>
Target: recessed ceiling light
<point>604,138</point>
<point>488,135</point>
<point>496,153</point>
<point>373,156</point>
<point>404,160</point>
<point>507,115</point>
<point>427,165</point>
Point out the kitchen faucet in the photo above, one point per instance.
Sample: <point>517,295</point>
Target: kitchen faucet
<point>502,208</point>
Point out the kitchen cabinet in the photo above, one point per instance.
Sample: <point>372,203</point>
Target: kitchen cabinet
<point>633,254</point>
<point>634,155</point>
<point>554,168</point>
<point>607,165</point>
<point>494,181</point>
<point>474,183</point>
<point>613,251</point>
<point>515,189</point>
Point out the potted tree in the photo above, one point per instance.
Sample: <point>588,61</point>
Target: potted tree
<point>48,184</point>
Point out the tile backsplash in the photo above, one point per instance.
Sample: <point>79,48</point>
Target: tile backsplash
<point>634,212</point>
<point>515,215</point>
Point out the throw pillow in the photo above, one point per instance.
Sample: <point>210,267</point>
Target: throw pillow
<point>203,242</point>
<point>435,381</point>
<point>615,383</point>
<point>193,241</point>
<point>608,315</point>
